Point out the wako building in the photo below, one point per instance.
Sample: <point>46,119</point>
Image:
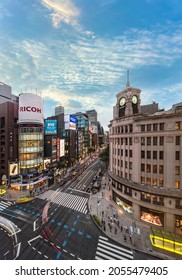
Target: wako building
<point>146,161</point>
<point>30,143</point>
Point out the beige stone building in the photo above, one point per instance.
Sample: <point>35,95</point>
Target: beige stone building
<point>146,160</point>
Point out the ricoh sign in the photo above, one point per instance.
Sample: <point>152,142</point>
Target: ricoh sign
<point>30,108</point>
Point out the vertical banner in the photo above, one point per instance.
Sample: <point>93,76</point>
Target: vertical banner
<point>58,149</point>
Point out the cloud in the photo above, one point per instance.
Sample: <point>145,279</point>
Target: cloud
<point>62,11</point>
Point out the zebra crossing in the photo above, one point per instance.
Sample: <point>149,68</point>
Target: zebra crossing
<point>109,251</point>
<point>5,204</point>
<point>68,200</point>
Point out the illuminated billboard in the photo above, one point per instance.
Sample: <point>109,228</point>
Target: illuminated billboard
<point>62,147</point>
<point>13,169</point>
<point>47,163</point>
<point>50,127</point>
<point>70,122</point>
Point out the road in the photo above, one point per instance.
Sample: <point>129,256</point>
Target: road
<point>57,226</point>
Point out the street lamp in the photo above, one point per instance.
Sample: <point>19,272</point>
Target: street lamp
<point>21,177</point>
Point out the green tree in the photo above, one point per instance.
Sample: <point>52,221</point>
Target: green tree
<point>104,155</point>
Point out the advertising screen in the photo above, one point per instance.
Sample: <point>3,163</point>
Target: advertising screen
<point>70,122</point>
<point>47,162</point>
<point>50,127</point>
<point>30,108</point>
<point>13,169</point>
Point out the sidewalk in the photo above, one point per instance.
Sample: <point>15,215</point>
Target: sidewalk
<point>117,225</point>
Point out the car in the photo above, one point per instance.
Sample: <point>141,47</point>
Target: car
<point>94,191</point>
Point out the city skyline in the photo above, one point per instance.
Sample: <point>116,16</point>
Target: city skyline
<point>77,53</point>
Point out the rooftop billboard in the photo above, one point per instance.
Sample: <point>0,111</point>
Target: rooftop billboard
<point>30,108</point>
<point>50,127</point>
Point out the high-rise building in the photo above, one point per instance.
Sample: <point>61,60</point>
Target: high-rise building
<point>8,134</point>
<point>30,144</point>
<point>59,110</point>
<point>146,161</point>
<point>92,115</point>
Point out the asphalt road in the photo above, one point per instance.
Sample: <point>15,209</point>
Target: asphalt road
<point>57,226</point>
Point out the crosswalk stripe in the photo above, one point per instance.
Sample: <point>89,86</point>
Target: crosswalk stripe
<point>117,247</point>
<point>109,251</point>
<point>114,250</point>
<point>5,204</point>
<point>74,202</point>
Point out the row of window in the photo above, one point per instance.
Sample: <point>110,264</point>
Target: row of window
<point>158,127</point>
<point>152,168</point>
<point>30,137</point>
<point>152,155</point>
<point>31,130</point>
<point>157,182</point>
<point>157,155</point>
<point>152,127</point>
<point>155,141</point>
<point>123,152</point>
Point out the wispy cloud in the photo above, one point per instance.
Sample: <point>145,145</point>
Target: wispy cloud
<point>62,11</point>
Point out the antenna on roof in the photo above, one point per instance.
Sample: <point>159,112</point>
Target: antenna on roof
<point>128,79</point>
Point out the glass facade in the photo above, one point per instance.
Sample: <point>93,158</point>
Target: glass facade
<point>31,148</point>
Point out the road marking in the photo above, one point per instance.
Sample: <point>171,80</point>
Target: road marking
<point>29,242</point>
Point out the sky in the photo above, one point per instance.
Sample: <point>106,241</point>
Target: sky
<point>76,53</point>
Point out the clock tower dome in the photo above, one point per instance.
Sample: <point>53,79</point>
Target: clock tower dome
<point>128,101</point>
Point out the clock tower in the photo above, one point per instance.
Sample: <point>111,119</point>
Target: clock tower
<point>128,101</point>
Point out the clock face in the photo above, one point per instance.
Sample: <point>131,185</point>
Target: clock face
<point>122,101</point>
<point>134,99</point>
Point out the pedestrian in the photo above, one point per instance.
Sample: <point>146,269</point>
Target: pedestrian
<point>125,238</point>
<point>104,227</point>
<point>121,228</point>
<point>130,238</point>
<point>115,230</point>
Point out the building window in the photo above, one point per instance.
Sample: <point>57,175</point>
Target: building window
<point>142,128</point>
<point>154,181</point>
<point>161,155</point>
<point>155,141</point>
<point>148,141</point>
<point>142,167</point>
<point>177,125</point>
<point>126,141</point>
<point>161,181</point>
<point>130,165</point>
<point>130,141</point>
<point>161,169</point>
<point>126,153</point>
<point>148,168</point>
<point>143,141</point>
<point>154,154</point>
<point>148,154</point>
<point>177,140</point>
<point>149,127</point>
<point>148,181</point>
<point>177,170</point>
<point>155,126</point>
<point>177,155</point>
<point>177,184</point>
<point>131,128</point>
<point>161,126</point>
<point>142,154</point>
<point>142,180</point>
<point>155,168</point>
<point>130,153</point>
<point>161,141</point>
